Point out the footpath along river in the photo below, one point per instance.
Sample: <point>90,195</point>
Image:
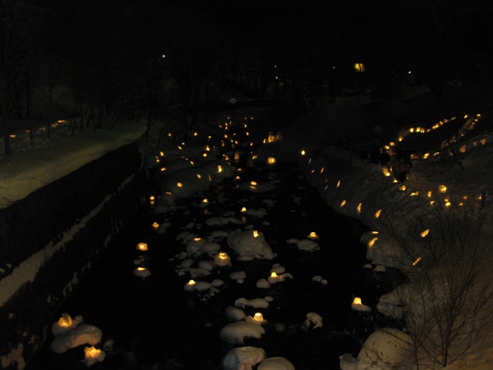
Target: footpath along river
<point>154,323</point>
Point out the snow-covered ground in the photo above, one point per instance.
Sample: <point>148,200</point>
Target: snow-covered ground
<point>446,194</point>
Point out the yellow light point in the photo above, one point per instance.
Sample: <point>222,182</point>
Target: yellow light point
<point>358,208</point>
<point>179,147</point>
<point>303,152</point>
<point>208,148</point>
<point>158,160</point>
<point>161,154</point>
<point>170,134</point>
<point>271,160</point>
<point>377,213</point>
<point>395,181</point>
<point>169,193</point>
<point>429,193</point>
<point>392,143</point>
<point>417,261</point>
<point>195,133</point>
<point>155,225</point>
<point>425,233</point>
<point>322,170</point>
<point>219,169</point>
<point>191,282</point>
<point>343,203</point>
<point>205,200</point>
<point>411,129</point>
<point>253,183</point>
<point>374,232</point>
<point>179,184</point>
<point>197,239</point>
<point>414,194</point>
<point>338,183</point>
<point>247,133</point>
<point>400,138</point>
<point>255,234</point>
<point>442,189</point>
<point>402,187</point>
<point>309,160</point>
<point>65,320</point>
<point>199,176</point>
<point>432,202</point>
<point>461,204</point>
<point>313,171</point>
<point>426,155</point>
<point>204,155</point>
<point>243,209</point>
<point>357,301</point>
<point>386,172</point>
<point>192,163</point>
<point>313,235</point>
<point>448,204</point>
<point>371,243</point>
<point>142,247</point>
<point>273,274</point>
<point>326,187</point>
<point>152,198</point>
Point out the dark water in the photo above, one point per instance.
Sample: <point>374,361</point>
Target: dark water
<point>156,324</point>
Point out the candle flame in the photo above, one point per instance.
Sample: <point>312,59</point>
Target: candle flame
<point>425,232</point>
<point>255,234</point>
<point>142,247</point>
<point>417,260</point>
<point>372,242</point>
<point>357,300</point>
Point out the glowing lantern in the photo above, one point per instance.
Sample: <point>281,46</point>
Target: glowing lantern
<point>93,355</point>
<point>359,67</point>
<point>179,184</point>
<point>222,259</point>
<point>372,242</point>
<point>142,247</point>
<point>65,321</point>
<point>199,176</point>
<point>258,317</point>
<point>303,152</point>
<point>243,209</point>
<point>358,305</point>
<point>271,160</point>
<point>313,235</point>
<point>190,285</point>
<point>142,272</point>
<point>205,201</point>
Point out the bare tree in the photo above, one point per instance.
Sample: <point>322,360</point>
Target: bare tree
<point>447,302</point>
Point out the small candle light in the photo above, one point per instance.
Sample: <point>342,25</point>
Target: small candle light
<point>357,305</point>
<point>190,285</point>
<point>243,210</point>
<point>271,160</point>
<point>155,225</point>
<point>93,355</point>
<point>255,234</point>
<point>152,199</point>
<point>142,246</point>
<point>222,259</point>
<point>313,235</point>
<point>142,272</point>
<point>258,317</point>
<point>274,278</point>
